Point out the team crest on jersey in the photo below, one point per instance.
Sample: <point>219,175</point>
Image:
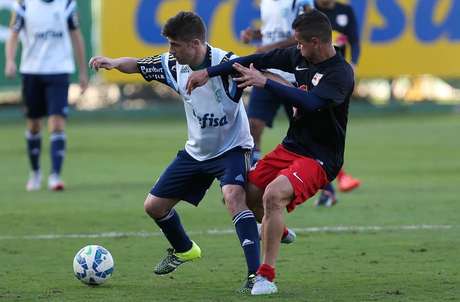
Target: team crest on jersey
<point>316,78</point>
<point>342,20</point>
<point>219,95</point>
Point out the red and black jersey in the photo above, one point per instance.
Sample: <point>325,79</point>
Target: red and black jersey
<point>315,131</point>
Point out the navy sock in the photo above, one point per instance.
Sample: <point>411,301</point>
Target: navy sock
<point>174,232</point>
<point>329,187</point>
<point>34,146</point>
<point>57,151</point>
<point>246,228</point>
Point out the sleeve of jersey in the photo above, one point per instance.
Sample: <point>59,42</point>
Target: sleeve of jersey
<point>17,20</point>
<point>71,14</point>
<point>160,68</point>
<point>296,97</point>
<point>230,86</point>
<point>278,58</point>
<point>334,87</point>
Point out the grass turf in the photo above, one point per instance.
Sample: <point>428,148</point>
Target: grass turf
<point>410,170</point>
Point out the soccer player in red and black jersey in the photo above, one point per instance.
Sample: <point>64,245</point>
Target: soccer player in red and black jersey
<point>311,154</point>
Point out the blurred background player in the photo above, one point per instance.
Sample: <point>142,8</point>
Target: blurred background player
<point>345,37</point>
<point>275,32</point>
<point>218,145</point>
<point>49,28</point>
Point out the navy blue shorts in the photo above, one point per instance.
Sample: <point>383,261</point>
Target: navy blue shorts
<point>188,179</point>
<point>264,105</point>
<point>45,95</point>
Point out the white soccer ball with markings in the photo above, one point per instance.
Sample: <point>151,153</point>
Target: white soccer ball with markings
<point>93,265</point>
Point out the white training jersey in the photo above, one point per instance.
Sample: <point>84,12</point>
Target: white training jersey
<point>216,117</point>
<point>277,17</point>
<point>45,26</point>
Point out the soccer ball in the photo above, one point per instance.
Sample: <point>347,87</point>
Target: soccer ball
<point>93,265</point>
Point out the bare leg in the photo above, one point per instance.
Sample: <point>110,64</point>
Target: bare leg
<point>257,128</point>
<point>277,196</point>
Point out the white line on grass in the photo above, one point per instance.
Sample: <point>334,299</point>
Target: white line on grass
<point>331,229</point>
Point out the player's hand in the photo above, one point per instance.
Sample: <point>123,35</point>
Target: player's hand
<point>10,69</point>
<point>249,76</point>
<point>102,62</point>
<point>247,35</point>
<point>83,82</point>
<point>196,79</point>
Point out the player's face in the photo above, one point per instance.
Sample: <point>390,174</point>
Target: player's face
<point>308,49</point>
<point>184,51</point>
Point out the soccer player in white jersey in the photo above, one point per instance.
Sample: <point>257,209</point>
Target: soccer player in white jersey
<point>218,145</point>
<point>49,28</point>
<point>275,32</point>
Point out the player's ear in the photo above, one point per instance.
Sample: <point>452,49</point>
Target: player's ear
<point>196,42</point>
<point>315,40</point>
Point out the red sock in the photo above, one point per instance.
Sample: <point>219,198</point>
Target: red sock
<point>266,271</point>
<point>285,232</point>
<point>341,174</point>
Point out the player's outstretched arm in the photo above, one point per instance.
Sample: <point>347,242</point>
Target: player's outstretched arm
<point>289,94</point>
<point>125,64</point>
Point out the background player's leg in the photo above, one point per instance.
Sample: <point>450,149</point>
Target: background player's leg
<point>257,127</point>
<point>36,108</point>
<point>56,126</point>
<point>327,196</point>
<point>262,109</point>
<point>56,93</point>
<point>347,182</point>
<point>34,144</point>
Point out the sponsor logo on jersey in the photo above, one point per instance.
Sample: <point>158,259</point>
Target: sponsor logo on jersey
<point>209,120</point>
<point>49,34</point>
<point>152,73</point>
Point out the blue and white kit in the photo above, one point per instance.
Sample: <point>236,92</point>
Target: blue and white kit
<point>218,141</point>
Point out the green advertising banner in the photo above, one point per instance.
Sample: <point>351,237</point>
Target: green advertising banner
<point>85,12</point>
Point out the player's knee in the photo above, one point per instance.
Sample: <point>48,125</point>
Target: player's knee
<point>34,126</point>
<point>153,207</point>
<point>235,198</point>
<point>56,123</point>
<point>272,200</point>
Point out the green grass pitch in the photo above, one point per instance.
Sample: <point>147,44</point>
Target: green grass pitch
<point>410,167</point>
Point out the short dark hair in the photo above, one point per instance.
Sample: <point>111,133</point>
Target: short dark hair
<point>185,26</point>
<point>313,24</point>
